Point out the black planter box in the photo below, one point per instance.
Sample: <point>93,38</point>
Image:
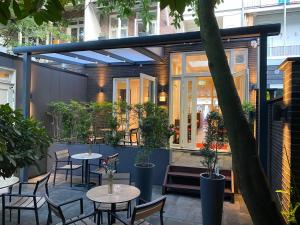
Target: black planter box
<point>160,157</point>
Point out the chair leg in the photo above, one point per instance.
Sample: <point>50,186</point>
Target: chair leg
<point>49,219</point>
<point>101,217</point>
<point>67,171</point>
<point>3,210</point>
<point>161,219</point>
<point>71,177</point>
<point>19,216</point>
<point>108,219</point>
<point>99,180</point>
<point>36,217</point>
<point>54,177</point>
<point>82,171</point>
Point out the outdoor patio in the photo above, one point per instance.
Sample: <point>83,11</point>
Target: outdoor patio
<point>179,209</point>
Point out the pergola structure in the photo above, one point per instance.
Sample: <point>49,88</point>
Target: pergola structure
<point>148,50</point>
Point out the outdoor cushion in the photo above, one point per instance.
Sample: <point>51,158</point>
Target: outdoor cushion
<point>107,207</point>
<point>85,221</point>
<point>68,167</point>
<point>26,202</point>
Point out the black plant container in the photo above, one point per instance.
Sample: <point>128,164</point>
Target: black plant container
<point>212,196</point>
<point>144,180</point>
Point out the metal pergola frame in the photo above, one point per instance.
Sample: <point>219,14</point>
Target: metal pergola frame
<point>260,32</point>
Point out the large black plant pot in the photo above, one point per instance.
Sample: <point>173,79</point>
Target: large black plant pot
<point>212,196</point>
<point>144,180</point>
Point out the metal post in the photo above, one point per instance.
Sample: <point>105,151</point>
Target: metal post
<point>262,103</point>
<point>284,28</point>
<point>26,100</point>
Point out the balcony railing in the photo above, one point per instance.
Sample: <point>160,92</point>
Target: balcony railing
<point>265,3</point>
<point>292,50</point>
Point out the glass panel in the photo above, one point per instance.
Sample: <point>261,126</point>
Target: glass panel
<point>121,97</point>
<point>239,82</point>
<point>240,60</point>
<point>148,90</point>
<point>74,34</point>
<point>196,63</point>
<point>121,91</point>
<point>189,110</point>
<point>176,64</point>
<point>113,22</point>
<point>176,110</point>
<point>124,32</point>
<point>152,27</point>
<point>134,99</point>
<point>81,33</point>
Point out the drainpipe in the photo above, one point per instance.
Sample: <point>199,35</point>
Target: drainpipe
<point>284,27</point>
<point>243,15</point>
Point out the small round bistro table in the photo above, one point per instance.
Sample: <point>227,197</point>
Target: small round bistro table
<point>121,193</point>
<point>85,157</point>
<point>7,182</point>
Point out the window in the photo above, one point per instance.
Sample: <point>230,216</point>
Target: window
<point>151,27</point>
<point>118,28</point>
<point>76,30</point>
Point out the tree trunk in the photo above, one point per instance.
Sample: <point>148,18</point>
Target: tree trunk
<point>246,165</point>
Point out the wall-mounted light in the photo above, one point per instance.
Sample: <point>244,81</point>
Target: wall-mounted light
<point>162,97</point>
<point>100,90</point>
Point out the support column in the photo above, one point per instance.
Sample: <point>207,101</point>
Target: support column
<point>26,100</point>
<point>262,104</point>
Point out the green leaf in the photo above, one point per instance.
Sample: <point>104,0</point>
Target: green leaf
<point>17,10</point>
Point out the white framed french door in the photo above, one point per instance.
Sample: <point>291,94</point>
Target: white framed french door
<point>133,90</point>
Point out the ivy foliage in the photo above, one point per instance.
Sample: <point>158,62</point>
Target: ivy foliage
<point>22,141</point>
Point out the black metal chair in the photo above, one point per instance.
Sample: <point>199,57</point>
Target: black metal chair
<point>141,212</point>
<point>63,156</point>
<point>128,137</point>
<point>22,201</point>
<point>100,170</point>
<point>100,208</point>
<point>81,219</point>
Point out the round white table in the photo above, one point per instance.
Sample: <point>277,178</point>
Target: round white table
<point>7,182</point>
<point>85,157</point>
<point>121,193</point>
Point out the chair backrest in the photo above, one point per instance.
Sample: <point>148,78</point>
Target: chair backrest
<point>145,210</point>
<point>62,154</point>
<point>42,183</point>
<point>56,209</point>
<point>119,178</point>
<point>113,159</point>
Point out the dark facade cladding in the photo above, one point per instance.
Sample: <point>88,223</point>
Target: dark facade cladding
<point>284,138</point>
<point>47,84</point>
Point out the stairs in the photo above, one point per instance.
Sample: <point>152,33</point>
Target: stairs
<point>187,180</point>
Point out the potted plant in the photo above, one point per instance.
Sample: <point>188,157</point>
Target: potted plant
<point>212,183</point>
<point>22,141</point>
<point>154,133</point>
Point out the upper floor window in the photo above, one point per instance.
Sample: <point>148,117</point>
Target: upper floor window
<point>118,27</point>
<point>76,30</point>
<point>150,28</point>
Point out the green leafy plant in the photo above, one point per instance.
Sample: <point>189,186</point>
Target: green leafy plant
<point>155,130</point>
<point>215,138</point>
<point>22,141</point>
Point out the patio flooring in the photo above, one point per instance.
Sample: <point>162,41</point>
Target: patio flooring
<point>179,209</point>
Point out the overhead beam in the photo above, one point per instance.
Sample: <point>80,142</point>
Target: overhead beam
<point>86,58</point>
<point>58,60</point>
<point>148,53</point>
<point>115,56</point>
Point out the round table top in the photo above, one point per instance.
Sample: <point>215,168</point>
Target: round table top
<point>86,156</point>
<point>8,181</point>
<point>121,193</point>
